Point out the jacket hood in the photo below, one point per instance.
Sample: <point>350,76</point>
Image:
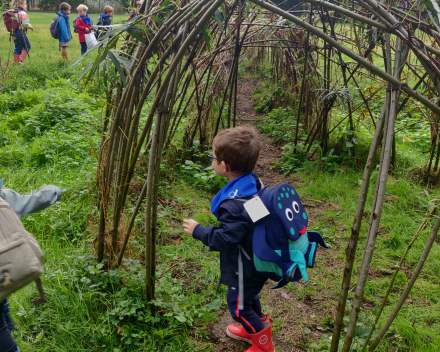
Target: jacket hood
<point>242,186</point>
<point>63,15</point>
<point>87,19</point>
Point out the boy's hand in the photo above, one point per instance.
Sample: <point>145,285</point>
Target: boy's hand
<point>189,226</point>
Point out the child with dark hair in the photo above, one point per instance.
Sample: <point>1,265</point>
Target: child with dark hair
<point>21,41</point>
<point>235,154</point>
<point>64,27</point>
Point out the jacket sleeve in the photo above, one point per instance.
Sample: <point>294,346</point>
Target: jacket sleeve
<point>81,25</point>
<point>24,20</point>
<point>106,22</point>
<point>25,204</point>
<point>63,28</point>
<point>234,227</point>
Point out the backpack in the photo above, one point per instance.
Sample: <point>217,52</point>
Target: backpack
<point>21,258</point>
<point>10,21</point>
<point>75,30</point>
<point>283,249</point>
<point>53,29</point>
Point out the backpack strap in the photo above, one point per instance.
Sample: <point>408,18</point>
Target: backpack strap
<point>42,299</point>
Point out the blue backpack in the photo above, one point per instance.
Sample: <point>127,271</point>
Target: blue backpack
<point>283,248</point>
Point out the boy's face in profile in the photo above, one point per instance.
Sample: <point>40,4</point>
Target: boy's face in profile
<point>218,166</point>
<point>66,12</point>
<point>109,13</point>
<point>82,13</point>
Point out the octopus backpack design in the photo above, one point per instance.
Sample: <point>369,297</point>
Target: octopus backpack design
<point>283,248</point>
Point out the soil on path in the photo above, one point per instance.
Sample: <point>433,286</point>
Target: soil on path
<point>299,307</point>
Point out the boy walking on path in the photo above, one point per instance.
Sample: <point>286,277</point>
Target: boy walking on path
<point>64,27</point>
<point>21,41</point>
<point>105,19</point>
<point>235,154</point>
<point>83,24</point>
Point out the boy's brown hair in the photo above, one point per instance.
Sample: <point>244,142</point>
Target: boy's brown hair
<point>65,6</point>
<point>106,9</point>
<point>238,147</point>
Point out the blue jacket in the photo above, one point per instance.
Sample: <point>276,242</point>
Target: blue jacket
<point>104,20</point>
<point>64,27</point>
<point>236,228</point>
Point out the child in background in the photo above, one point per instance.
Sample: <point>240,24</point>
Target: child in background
<point>135,11</point>
<point>104,20</point>
<point>83,24</point>
<point>64,27</point>
<point>21,41</point>
<point>235,154</point>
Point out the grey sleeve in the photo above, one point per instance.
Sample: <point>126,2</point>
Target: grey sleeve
<point>30,203</point>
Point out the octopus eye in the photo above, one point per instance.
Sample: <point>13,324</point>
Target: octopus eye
<point>289,214</point>
<point>295,206</point>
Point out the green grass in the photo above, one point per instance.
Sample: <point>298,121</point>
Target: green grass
<point>49,133</point>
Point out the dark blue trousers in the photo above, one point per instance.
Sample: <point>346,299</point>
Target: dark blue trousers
<point>83,47</point>
<point>21,42</point>
<point>7,343</point>
<point>250,316</point>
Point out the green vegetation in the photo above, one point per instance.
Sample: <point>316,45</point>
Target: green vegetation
<point>50,129</point>
<point>335,178</point>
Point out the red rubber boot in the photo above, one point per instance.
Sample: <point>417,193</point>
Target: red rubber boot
<point>238,332</point>
<point>262,340</point>
<point>23,55</point>
<point>16,58</point>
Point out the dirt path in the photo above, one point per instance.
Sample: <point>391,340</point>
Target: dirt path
<point>248,117</point>
<point>300,307</point>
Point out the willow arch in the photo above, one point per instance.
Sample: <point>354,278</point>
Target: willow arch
<point>202,41</point>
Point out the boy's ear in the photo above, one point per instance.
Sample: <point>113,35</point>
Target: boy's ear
<point>225,166</point>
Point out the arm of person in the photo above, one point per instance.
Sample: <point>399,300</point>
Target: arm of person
<point>106,29</point>
<point>24,20</point>
<point>30,203</point>
<point>63,27</point>
<point>81,25</point>
<point>234,227</point>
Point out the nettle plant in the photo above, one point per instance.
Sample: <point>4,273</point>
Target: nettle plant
<point>199,171</point>
<point>202,176</point>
